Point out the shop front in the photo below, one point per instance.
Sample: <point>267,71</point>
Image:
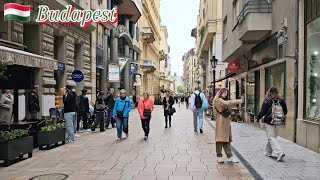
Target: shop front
<point>308,122</point>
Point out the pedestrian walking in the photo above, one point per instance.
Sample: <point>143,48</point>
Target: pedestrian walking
<point>145,108</point>
<point>187,101</point>
<point>167,103</point>
<point>100,112</point>
<point>33,103</point>
<point>274,111</point>
<point>121,110</point>
<point>109,101</point>
<point>198,104</point>
<point>221,106</point>
<point>82,107</point>
<point>69,101</point>
<point>6,106</point>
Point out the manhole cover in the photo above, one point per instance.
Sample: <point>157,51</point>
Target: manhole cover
<point>54,176</point>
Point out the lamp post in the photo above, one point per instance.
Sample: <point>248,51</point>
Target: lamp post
<point>214,62</point>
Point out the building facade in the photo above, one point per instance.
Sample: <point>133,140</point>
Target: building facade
<point>150,45</point>
<point>308,119</point>
<point>190,80</point>
<point>35,51</point>
<point>166,79</point>
<point>208,34</point>
<point>261,38</point>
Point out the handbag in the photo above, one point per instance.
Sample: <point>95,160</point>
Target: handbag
<point>225,112</point>
<point>204,105</point>
<point>120,113</point>
<point>146,112</point>
<point>171,111</point>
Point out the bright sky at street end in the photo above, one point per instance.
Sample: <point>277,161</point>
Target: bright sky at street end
<point>180,17</point>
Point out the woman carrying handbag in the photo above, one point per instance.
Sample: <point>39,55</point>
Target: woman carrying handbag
<point>167,103</point>
<point>145,108</point>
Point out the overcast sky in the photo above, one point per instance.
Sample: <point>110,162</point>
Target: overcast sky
<point>180,17</point>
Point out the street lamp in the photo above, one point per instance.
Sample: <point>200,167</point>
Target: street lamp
<point>214,62</point>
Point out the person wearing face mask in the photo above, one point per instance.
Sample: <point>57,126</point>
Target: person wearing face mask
<point>6,106</point>
<point>121,110</point>
<point>221,108</point>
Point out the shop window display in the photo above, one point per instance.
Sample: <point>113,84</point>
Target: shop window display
<point>313,70</point>
<point>275,77</point>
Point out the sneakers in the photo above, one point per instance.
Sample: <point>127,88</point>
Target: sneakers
<point>145,138</point>
<point>280,157</point>
<point>70,141</point>
<point>118,139</point>
<point>77,135</point>
<point>220,160</point>
<point>233,160</point>
<point>127,135</point>
<point>201,131</point>
<point>195,130</point>
<point>268,154</point>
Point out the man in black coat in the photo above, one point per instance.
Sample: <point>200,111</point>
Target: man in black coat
<point>109,101</point>
<point>33,102</point>
<point>69,101</point>
<point>82,110</point>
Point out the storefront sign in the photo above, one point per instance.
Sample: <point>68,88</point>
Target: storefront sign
<point>114,73</point>
<point>137,80</point>
<point>233,66</point>
<point>77,76</point>
<point>60,67</point>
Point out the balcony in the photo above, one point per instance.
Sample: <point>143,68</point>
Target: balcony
<point>130,7</point>
<point>148,66</point>
<point>148,35</point>
<point>254,21</point>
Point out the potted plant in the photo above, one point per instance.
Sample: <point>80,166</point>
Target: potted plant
<point>51,134</point>
<point>15,144</point>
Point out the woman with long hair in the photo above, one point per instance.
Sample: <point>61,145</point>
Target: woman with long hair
<point>221,108</point>
<point>99,108</point>
<point>145,108</point>
<point>273,104</point>
<point>167,103</point>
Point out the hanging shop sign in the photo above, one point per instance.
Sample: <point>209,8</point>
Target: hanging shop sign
<point>234,66</point>
<point>134,67</point>
<point>137,80</point>
<point>114,73</point>
<point>77,76</point>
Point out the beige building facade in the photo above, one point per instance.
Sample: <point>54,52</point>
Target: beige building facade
<point>263,42</point>
<point>208,34</point>
<point>191,66</point>
<point>150,45</point>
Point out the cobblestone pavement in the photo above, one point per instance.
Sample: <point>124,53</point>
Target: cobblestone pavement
<point>169,154</point>
<point>299,163</point>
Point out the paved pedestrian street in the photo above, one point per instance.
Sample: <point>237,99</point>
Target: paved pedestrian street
<point>169,154</point>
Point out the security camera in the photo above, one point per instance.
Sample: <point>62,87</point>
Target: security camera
<point>280,33</point>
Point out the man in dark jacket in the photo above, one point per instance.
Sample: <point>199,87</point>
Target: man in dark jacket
<point>82,110</point>
<point>109,101</point>
<point>33,102</point>
<point>69,101</point>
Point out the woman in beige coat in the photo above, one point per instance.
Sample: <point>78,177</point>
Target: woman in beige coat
<point>223,124</point>
<point>6,102</point>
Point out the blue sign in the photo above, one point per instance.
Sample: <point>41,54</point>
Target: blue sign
<point>61,67</point>
<point>77,76</point>
<point>133,68</point>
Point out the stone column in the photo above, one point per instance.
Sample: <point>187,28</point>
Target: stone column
<point>79,64</point>
<point>126,69</point>
<point>114,54</point>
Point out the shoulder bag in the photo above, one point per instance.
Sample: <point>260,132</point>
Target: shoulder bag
<point>146,112</point>
<point>120,113</point>
<point>225,112</point>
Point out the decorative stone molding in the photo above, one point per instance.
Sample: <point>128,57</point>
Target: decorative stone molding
<point>69,69</point>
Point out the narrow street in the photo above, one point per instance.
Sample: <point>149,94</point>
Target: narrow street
<point>169,154</point>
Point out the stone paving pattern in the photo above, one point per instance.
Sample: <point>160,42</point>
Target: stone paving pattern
<point>299,163</point>
<point>169,154</point>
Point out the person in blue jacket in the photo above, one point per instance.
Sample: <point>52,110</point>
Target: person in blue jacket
<point>121,110</point>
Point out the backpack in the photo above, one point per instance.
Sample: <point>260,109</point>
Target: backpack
<point>277,113</point>
<point>99,106</point>
<point>198,100</point>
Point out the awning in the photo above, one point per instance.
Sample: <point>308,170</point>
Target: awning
<point>22,58</point>
<point>229,75</point>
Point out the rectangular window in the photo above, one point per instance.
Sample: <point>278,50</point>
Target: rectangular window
<point>312,9</point>
<point>275,77</point>
<point>236,11</point>
<point>225,29</point>
<point>313,70</point>
<point>253,94</point>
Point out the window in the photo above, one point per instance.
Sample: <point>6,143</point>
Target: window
<point>275,77</point>
<point>253,93</point>
<point>313,69</point>
<point>225,29</point>
<point>78,2</point>
<point>236,11</point>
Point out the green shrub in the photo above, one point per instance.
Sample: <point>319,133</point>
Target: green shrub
<point>51,127</point>
<point>13,135</point>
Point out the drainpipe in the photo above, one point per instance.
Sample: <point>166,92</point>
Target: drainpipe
<point>296,72</point>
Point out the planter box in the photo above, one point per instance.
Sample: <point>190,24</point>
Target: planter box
<point>49,138</point>
<point>16,148</point>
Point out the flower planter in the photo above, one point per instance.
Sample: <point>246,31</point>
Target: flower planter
<point>17,148</point>
<point>49,138</point>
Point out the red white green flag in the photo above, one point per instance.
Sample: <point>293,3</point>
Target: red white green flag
<point>16,12</point>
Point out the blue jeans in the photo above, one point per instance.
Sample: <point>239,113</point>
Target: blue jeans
<point>122,125</point>
<point>71,125</point>
<point>198,114</point>
<point>110,118</point>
